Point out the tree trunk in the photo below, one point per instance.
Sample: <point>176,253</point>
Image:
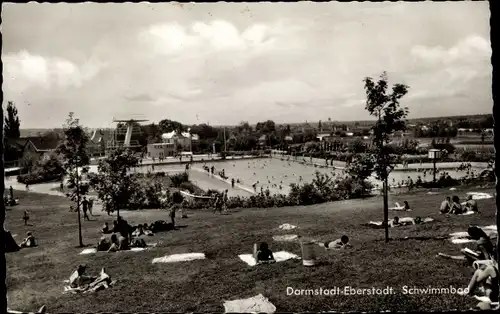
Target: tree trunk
<point>80,240</point>
<point>2,216</point>
<point>386,210</point>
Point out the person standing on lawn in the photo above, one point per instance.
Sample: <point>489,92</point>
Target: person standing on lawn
<point>85,208</point>
<point>172,214</point>
<point>91,204</point>
<point>26,217</point>
<point>224,201</point>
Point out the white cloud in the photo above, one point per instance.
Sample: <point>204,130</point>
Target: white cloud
<point>24,70</point>
<point>472,47</point>
<point>218,35</point>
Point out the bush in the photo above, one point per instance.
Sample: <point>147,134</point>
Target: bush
<point>179,178</point>
<point>38,176</point>
<point>46,169</point>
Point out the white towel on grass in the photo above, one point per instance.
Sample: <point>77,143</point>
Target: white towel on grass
<point>257,304</point>
<point>133,249</point>
<point>467,213</point>
<point>285,237</point>
<point>186,257</point>
<point>461,241</point>
<point>287,227</point>
<point>280,256</point>
<point>88,251</point>
<point>491,227</point>
<point>480,195</point>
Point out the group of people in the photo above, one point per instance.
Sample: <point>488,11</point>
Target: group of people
<point>453,205</point>
<point>486,276</point>
<point>9,200</point>
<point>220,203</point>
<point>123,236</point>
<point>264,255</point>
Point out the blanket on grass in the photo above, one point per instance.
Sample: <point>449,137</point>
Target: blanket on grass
<point>278,256</point>
<point>256,304</point>
<point>175,258</point>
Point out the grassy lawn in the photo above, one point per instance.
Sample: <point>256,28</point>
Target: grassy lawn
<point>35,276</point>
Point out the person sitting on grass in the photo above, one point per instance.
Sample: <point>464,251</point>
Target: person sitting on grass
<point>104,244</point>
<point>118,243</point>
<point>139,242</point>
<point>341,243</point>
<point>105,228</point>
<point>456,207</point>
<point>264,255</point>
<point>445,205</point>
<point>485,277</point>
<point>29,241</point>
<point>406,206</point>
<point>139,231</point>
<point>485,248</point>
<point>471,204</point>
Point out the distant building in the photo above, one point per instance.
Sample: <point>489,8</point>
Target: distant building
<point>289,138</point>
<point>323,136</point>
<point>182,140</point>
<point>349,134</point>
<point>161,150</point>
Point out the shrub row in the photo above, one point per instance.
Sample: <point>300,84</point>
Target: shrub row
<point>323,188</point>
<point>38,176</point>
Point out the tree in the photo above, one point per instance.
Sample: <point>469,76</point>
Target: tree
<point>167,126</point>
<point>12,123</point>
<point>75,162</point>
<point>114,183</point>
<point>390,118</point>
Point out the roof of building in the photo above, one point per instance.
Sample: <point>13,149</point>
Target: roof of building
<point>42,143</point>
<point>175,134</point>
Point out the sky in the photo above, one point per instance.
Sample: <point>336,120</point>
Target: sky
<point>224,63</point>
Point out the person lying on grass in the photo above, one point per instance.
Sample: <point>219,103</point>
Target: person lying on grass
<point>486,278</point>
<point>118,243</point>
<point>29,241</point>
<point>485,248</point>
<point>338,244</point>
<point>264,255</point>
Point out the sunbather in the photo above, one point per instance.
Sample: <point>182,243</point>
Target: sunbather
<point>485,247</point>
<point>78,278</point>
<point>264,255</point>
<point>487,277</point>
<point>105,228</point>
<point>139,231</point>
<point>445,205</point>
<point>341,243</point>
<point>406,206</point>
<point>456,207</point>
<point>104,244</point>
<point>139,242</point>
<point>471,204</point>
<point>29,241</point>
<point>118,243</point>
